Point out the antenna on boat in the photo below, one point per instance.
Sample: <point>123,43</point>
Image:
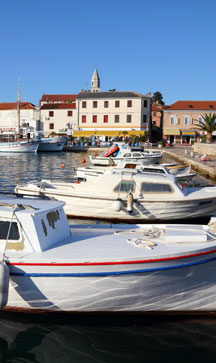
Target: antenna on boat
<point>18,110</point>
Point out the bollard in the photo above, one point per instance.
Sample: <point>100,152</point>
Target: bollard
<point>186,151</point>
<point>192,154</point>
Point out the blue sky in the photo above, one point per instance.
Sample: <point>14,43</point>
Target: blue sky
<point>143,46</point>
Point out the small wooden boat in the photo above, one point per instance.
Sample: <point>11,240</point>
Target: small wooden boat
<point>49,266</point>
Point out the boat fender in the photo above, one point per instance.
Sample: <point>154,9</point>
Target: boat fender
<point>130,203</point>
<point>83,161</point>
<point>117,205</point>
<point>4,283</point>
<point>95,154</point>
<point>62,165</point>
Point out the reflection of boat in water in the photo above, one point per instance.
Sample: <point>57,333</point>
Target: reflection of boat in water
<point>102,268</point>
<point>105,339</point>
<point>120,151</point>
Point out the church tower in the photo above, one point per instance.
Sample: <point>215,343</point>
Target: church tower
<point>95,82</point>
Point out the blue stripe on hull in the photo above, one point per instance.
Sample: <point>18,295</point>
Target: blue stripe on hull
<point>129,272</point>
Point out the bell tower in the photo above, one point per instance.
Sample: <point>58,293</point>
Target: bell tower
<point>95,82</point>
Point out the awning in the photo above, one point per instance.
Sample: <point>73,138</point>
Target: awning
<point>188,133</point>
<point>108,133</point>
<point>168,132</point>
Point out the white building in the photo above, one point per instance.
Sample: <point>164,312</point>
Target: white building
<point>58,114</point>
<point>113,112</point>
<point>29,117</point>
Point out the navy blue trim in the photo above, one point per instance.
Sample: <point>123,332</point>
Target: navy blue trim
<point>89,274</point>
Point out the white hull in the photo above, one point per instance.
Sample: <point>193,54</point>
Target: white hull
<point>186,284</point>
<point>98,268</point>
<point>144,210</point>
<point>148,160</point>
<point>19,147</point>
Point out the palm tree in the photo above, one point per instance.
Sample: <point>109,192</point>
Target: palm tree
<point>208,124</point>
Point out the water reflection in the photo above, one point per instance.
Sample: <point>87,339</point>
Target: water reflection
<point>106,339</point>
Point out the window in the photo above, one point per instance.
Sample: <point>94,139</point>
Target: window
<point>127,155</point>
<point>187,120</point>
<point>51,113</point>
<point>128,118</point>
<point>144,118</point>
<point>145,104</point>
<point>125,186</point>
<point>129,103</point>
<point>136,155</point>
<point>155,113</point>
<point>105,118</point>
<point>83,104</point>
<point>200,120</point>
<point>117,103</point>
<point>83,118</point>
<point>51,126</point>
<point>70,113</point>
<point>156,188</point>
<point>116,118</point>
<point>14,231</point>
<point>106,104</point>
<point>94,118</point>
<point>94,104</point>
<point>172,120</point>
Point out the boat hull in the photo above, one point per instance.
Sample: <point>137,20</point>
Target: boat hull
<point>19,147</point>
<point>174,285</point>
<point>106,161</point>
<point>90,207</point>
<point>50,146</point>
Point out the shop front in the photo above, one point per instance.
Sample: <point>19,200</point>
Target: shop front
<point>171,136</point>
<point>188,136</point>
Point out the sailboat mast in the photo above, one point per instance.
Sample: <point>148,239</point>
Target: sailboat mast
<point>18,110</point>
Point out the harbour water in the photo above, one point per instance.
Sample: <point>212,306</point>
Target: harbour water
<point>83,339</point>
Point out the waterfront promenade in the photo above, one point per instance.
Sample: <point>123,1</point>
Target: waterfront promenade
<point>187,156</point>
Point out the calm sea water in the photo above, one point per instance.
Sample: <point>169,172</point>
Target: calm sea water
<point>83,339</point>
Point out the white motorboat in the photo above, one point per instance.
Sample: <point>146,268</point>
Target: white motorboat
<point>127,195</point>
<point>121,151</point>
<point>48,267</point>
<point>181,172</point>
<point>51,143</point>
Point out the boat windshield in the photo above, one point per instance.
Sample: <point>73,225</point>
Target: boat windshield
<point>125,186</point>
<point>156,188</point>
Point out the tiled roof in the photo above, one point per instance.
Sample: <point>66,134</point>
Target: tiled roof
<point>58,106</point>
<point>56,98</point>
<point>110,94</point>
<point>13,106</point>
<point>155,108</point>
<point>193,105</point>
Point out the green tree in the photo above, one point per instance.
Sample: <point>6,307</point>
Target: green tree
<point>157,97</point>
<point>208,124</point>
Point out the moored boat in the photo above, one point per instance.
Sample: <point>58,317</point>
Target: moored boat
<point>51,144</point>
<point>52,267</point>
<point>121,151</point>
<point>127,195</point>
